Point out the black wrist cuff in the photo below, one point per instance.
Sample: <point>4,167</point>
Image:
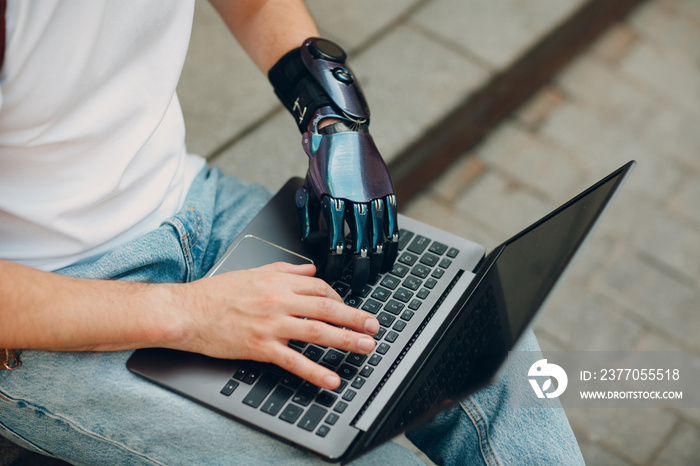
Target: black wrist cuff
<point>296,88</point>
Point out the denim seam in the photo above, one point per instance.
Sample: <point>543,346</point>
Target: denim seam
<point>479,421</point>
<point>76,428</point>
<point>183,240</point>
<point>28,442</point>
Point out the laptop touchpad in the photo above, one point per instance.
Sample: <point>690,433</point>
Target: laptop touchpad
<point>253,252</point>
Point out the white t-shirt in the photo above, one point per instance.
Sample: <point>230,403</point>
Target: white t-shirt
<point>92,139</point>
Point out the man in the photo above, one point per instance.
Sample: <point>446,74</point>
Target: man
<point>108,227</point>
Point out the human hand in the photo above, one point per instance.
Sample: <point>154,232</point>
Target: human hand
<point>252,314</point>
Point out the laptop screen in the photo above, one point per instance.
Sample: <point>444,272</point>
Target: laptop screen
<point>530,264</point>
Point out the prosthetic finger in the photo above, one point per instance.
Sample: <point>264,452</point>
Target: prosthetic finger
<point>378,239</point>
<point>391,229</point>
<point>333,211</point>
<point>361,260</point>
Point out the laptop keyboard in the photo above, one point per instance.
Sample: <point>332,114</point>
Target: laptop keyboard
<point>395,300</point>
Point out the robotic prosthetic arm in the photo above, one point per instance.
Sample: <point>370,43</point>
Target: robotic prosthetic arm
<point>347,181</point>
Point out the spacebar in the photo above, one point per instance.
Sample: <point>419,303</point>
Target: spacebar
<point>258,393</point>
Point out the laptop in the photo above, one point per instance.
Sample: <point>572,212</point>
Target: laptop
<point>449,315</point>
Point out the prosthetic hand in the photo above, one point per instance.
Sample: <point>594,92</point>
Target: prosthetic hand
<point>347,183</point>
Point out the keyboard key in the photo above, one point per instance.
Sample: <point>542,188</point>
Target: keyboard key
<point>246,375</point>
<point>291,413</point>
<point>381,294</point>
<point>356,359</point>
<point>349,395</point>
<point>404,237</point>
<point>419,244</point>
<point>399,270</point>
<point>393,306</point>
<point>383,347</point>
<point>414,305</point>
<point>438,248</point>
<point>365,291</point>
<point>278,398</point>
<point>229,387</point>
<point>366,371</point>
<point>407,314</point>
<point>378,336</point>
<point>392,336</point>
<point>292,380</point>
<point>333,357</point>
<point>408,259</point>
<point>412,283</point>
<point>422,294</point>
<point>358,382</point>
<point>385,319</point>
<point>341,387</point>
<point>445,263</point>
<point>341,288</point>
<point>403,295</point>
<point>313,352</point>
<point>303,397</point>
<point>430,259</point>
<point>390,282</point>
<point>312,417</point>
<point>261,389</point>
<point>437,273</point>
<point>340,407</point>
<point>375,359</point>
<point>323,431</point>
<point>332,418</point>
<point>298,343</point>
<point>347,372</point>
<point>326,398</point>
<point>372,306</point>
<point>452,252</point>
<point>353,300</point>
<point>430,283</point>
<point>420,271</point>
<point>399,325</point>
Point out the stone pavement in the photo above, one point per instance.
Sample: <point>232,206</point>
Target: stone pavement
<point>634,95</point>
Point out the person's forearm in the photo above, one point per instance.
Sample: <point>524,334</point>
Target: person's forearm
<point>267,29</point>
<point>42,310</point>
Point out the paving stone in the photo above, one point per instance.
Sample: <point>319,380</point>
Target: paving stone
<point>267,160</point>
<point>353,23</point>
<point>455,180</point>
<point>671,241</point>
<point>683,448</point>
<point>663,302</point>
<point>667,71</point>
<point>666,24</point>
<point>595,454</point>
<point>672,131</point>
<point>687,202</point>
<point>221,91</point>
<point>615,43</point>
<point>538,108</point>
<point>596,84</point>
<point>602,147</point>
<point>575,315</point>
<point>432,211</point>
<point>633,433</point>
<point>502,204</point>
<point>534,162</point>
<point>406,103</point>
<point>495,31</point>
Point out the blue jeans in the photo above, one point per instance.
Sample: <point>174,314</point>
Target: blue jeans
<point>87,408</point>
